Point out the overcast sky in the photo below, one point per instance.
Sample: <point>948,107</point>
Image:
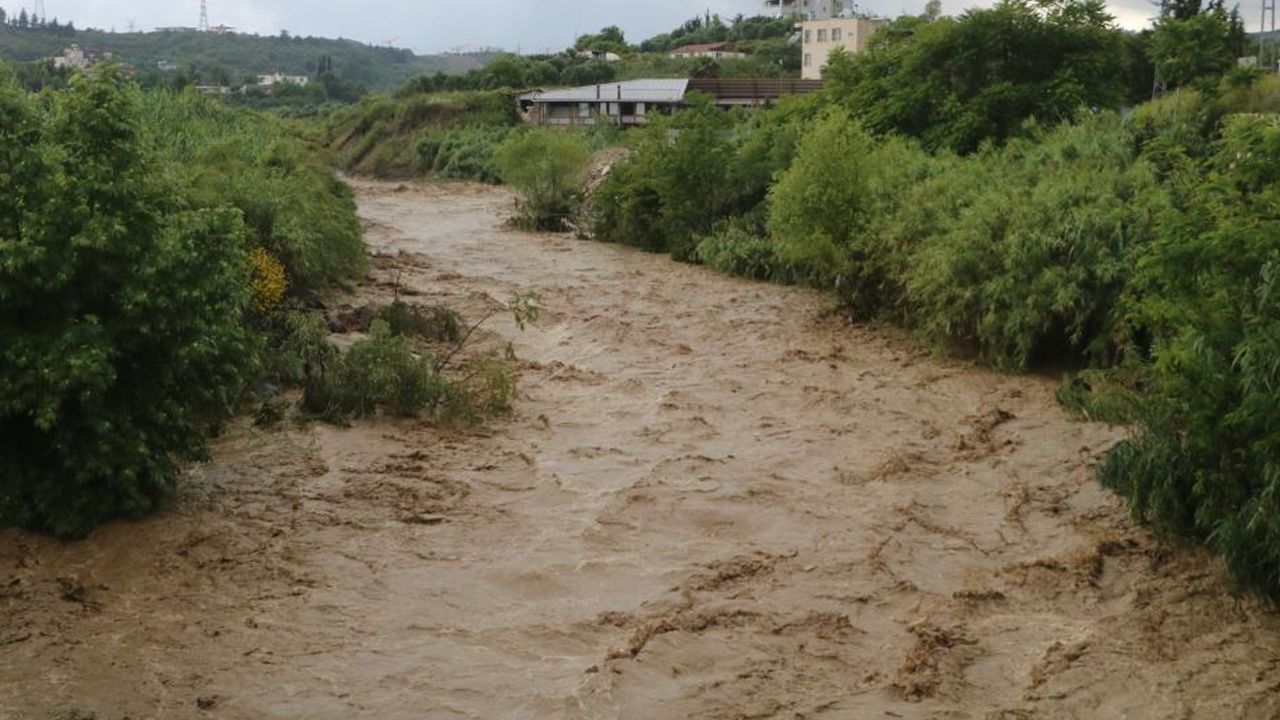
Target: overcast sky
<point>439,25</point>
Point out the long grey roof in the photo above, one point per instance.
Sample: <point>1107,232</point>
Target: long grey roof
<point>625,91</point>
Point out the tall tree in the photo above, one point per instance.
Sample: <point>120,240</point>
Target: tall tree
<point>1200,45</point>
<point>956,83</point>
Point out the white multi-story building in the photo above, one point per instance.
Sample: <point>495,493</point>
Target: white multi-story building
<point>804,9</point>
<point>820,38</point>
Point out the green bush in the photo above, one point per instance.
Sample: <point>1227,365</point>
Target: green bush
<point>434,323</point>
<point>381,373</point>
<point>293,204</point>
<point>1205,462</point>
<point>299,350</point>
<point>826,209</point>
<point>672,188</point>
<point>548,168</point>
<point>735,249</point>
<point>466,153</point>
<point>121,311</point>
<point>951,83</point>
<point>1035,266</point>
<point>450,133</point>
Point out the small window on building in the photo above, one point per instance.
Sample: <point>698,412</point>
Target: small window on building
<point>584,110</point>
<point>837,34</point>
<point>822,35</point>
<point>808,36</point>
<point>808,60</point>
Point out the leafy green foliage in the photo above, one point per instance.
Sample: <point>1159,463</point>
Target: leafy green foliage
<point>1034,267</point>
<point>955,83</point>
<point>463,153</point>
<point>1204,463</point>
<point>453,133</point>
<point>121,310</point>
<point>405,367</point>
<point>735,249</point>
<point>293,205</point>
<point>434,323</point>
<point>672,187</point>
<point>547,168</point>
<point>824,209</point>
<point>1190,45</point>
<point>299,349</point>
<point>381,373</point>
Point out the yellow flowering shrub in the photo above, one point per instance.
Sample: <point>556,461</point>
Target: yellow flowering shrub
<point>269,281</point>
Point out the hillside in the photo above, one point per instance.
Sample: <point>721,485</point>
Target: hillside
<point>239,55</point>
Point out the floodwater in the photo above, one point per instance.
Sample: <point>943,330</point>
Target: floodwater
<point>714,500</point>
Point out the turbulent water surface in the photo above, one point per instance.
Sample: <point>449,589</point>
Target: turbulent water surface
<point>714,500</point>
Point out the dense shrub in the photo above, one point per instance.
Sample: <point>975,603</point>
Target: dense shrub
<point>466,153</point>
<point>737,249</point>
<point>121,311</point>
<point>434,323</point>
<point>1016,252</point>
<point>953,83</point>
<point>299,350</point>
<point>381,373</point>
<point>825,210</point>
<point>547,168</point>
<point>1208,292</point>
<point>672,188</point>
<point>450,132</point>
<point>294,206</point>
<point>1035,266</point>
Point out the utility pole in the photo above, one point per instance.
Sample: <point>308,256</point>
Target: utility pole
<point>1267,37</point>
<point>204,16</point>
<point>1158,85</point>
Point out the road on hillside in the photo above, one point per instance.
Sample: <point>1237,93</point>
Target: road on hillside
<point>714,500</point>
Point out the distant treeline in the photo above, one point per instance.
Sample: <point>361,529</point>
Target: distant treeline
<point>233,57</point>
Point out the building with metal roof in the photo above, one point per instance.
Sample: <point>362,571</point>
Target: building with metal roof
<point>631,102</point>
<point>715,51</point>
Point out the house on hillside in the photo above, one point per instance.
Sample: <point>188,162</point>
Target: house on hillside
<point>633,102</point>
<point>77,58</point>
<point>715,51</point>
<point>600,55</point>
<point>820,38</point>
<point>803,9</point>
<point>267,82</point>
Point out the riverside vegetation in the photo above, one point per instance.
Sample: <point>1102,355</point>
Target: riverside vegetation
<point>1009,211</point>
<point>1031,214</point>
<point>159,267</point>
<point>1035,214</point>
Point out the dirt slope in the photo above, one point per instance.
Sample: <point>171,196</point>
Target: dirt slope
<point>712,502</point>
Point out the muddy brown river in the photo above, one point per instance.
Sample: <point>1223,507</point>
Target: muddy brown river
<point>714,500</point>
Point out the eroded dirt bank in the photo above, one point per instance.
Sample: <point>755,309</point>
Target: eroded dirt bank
<point>711,503</point>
